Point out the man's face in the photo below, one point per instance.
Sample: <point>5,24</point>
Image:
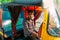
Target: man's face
<point>32,15</point>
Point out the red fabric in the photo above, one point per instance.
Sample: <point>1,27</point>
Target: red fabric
<point>24,8</point>
<point>40,31</point>
<point>26,14</point>
<point>30,8</point>
<point>38,8</point>
<point>37,15</point>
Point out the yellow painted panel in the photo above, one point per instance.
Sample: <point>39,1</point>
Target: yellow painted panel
<point>45,35</point>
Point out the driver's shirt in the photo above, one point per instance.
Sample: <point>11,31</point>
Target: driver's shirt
<point>30,27</point>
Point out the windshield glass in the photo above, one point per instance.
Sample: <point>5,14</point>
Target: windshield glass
<point>54,19</point>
